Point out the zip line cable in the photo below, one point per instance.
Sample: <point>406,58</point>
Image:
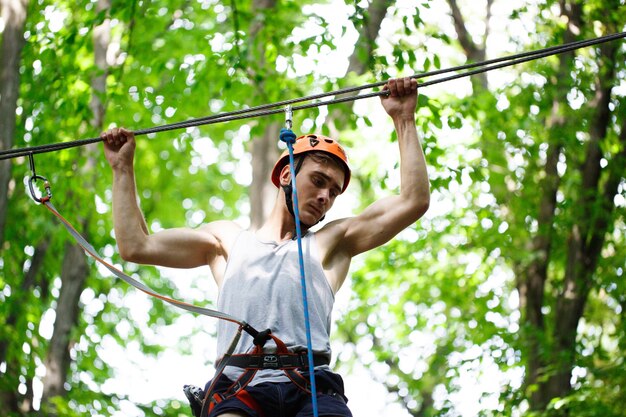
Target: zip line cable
<point>270,109</point>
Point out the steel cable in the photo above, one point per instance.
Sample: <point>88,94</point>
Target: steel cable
<point>271,109</point>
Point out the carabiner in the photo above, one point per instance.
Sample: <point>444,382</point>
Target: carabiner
<point>33,179</point>
<point>46,185</point>
<point>288,117</point>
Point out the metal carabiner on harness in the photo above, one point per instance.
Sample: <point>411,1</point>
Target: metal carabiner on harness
<point>33,179</point>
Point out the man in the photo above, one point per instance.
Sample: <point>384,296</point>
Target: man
<point>257,273</point>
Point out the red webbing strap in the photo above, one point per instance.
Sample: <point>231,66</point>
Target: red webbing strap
<point>243,380</point>
<point>206,402</point>
<point>299,380</point>
<point>245,397</point>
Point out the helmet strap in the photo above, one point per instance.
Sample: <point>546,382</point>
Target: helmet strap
<point>289,192</point>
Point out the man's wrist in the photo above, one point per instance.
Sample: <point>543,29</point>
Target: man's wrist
<point>404,118</point>
<point>122,169</point>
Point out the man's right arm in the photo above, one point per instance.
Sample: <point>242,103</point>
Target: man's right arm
<point>177,248</point>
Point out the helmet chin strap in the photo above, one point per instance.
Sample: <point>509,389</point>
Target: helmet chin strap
<point>289,200</point>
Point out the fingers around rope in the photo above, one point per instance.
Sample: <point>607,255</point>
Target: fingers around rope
<point>399,87</point>
<point>117,136</point>
<point>128,134</point>
<point>408,85</point>
<point>395,87</point>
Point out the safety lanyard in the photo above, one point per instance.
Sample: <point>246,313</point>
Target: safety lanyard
<point>89,249</point>
<point>287,136</point>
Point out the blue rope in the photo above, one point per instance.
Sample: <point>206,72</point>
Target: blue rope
<point>287,136</point>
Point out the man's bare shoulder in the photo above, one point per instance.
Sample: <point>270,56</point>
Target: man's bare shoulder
<point>334,255</point>
<point>223,233</point>
<point>330,236</point>
<point>222,230</point>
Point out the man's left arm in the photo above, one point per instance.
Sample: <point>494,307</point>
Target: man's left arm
<point>387,217</point>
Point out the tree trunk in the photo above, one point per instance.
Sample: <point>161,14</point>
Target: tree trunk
<point>361,58</point>
<point>75,269</point>
<point>587,236</point>
<point>262,191</point>
<point>10,401</point>
<point>73,275</point>
<point>535,274</point>
<point>14,16</point>
<point>13,13</point>
<point>264,150</point>
<point>532,285</point>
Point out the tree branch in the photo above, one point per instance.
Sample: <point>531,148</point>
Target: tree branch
<point>473,51</point>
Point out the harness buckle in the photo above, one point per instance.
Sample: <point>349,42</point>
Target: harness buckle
<point>271,361</point>
<point>195,396</point>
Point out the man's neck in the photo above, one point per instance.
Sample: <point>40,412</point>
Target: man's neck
<point>279,226</point>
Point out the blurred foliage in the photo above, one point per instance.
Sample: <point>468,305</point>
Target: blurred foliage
<point>434,308</point>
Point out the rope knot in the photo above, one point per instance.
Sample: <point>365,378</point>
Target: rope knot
<point>287,136</point>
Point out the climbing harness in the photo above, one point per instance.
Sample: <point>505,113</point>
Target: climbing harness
<point>282,359</point>
<point>278,107</point>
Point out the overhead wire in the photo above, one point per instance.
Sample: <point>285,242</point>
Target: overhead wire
<point>278,107</point>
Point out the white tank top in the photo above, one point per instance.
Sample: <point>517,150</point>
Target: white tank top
<point>262,286</point>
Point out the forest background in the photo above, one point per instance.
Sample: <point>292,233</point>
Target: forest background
<point>506,299</point>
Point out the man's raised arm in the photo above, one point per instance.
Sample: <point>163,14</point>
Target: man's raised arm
<point>179,248</point>
<point>385,218</point>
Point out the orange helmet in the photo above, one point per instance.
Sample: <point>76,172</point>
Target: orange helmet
<point>313,143</point>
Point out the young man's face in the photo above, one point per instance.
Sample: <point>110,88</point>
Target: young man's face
<point>319,181</point>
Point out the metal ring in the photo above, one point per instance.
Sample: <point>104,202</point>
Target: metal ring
<point>31,185</point>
